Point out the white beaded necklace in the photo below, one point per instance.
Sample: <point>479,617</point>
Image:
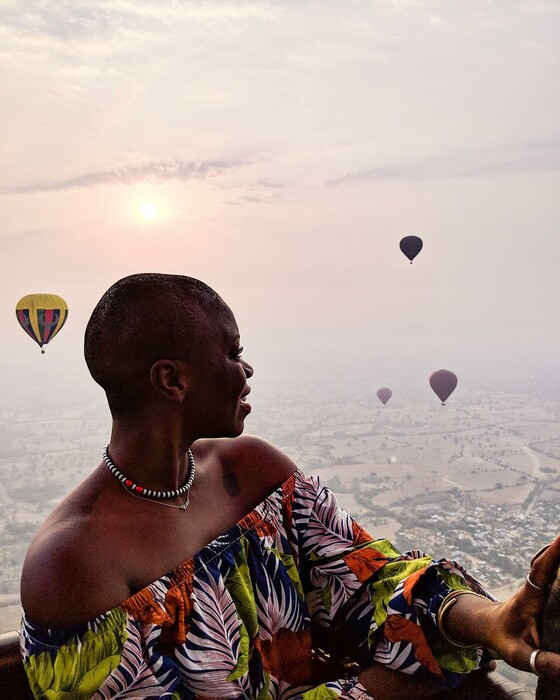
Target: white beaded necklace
<point>148,494</point>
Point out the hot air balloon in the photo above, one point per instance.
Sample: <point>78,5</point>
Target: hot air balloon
<point>41,316</point>
<point>443,382</point>
<point>384,394</point>
<point>411,246</point>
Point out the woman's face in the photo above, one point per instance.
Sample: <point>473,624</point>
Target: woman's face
<point>218,378</point>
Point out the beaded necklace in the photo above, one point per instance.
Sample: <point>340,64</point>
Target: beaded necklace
<point>149,494</point>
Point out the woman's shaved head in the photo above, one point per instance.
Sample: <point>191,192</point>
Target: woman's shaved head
<point>140,319</point>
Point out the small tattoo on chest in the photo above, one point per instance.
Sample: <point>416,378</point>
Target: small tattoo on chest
<point>230,484</point>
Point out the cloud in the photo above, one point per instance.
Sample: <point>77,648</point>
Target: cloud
<point>154,172</point>
<point>67,21</point>
<point>255,200</point>
<point>536,157</point>
<point>62,21</point>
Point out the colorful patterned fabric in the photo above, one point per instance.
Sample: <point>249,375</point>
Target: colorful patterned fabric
<point>234,621</point>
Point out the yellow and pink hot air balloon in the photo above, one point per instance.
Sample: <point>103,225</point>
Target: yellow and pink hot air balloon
<point>41,316</point>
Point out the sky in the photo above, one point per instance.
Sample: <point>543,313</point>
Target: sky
<point>288,147</point>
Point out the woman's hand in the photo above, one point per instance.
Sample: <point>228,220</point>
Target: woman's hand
<point>510,628</point>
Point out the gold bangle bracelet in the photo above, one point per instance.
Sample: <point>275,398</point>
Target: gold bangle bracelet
<point>446,605</point>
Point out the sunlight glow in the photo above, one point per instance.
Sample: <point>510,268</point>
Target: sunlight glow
<point>148,210</point>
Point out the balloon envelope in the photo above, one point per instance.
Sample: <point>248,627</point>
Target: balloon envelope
<point>41,316</point>
<point>384,394</point>
<point>443,382</point>
<point>411,246</point>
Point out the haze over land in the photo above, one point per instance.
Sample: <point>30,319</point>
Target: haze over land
<point>477,480</point>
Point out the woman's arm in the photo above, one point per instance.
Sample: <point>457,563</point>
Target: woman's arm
<point>509,628</point>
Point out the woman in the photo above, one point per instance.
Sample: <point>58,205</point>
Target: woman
<point>197,563</point>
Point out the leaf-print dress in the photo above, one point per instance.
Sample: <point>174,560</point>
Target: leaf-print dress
<point>234,621</point>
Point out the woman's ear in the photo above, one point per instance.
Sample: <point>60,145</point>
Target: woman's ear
<point>169,378</point>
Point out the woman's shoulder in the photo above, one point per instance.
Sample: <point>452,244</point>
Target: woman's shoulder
<point>69,573</point>
<point>254,462</point>
<point>79,565</point>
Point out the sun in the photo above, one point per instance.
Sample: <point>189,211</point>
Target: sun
<point>148,210</point>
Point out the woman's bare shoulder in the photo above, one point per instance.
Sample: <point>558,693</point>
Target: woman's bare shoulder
<point>249,458</point>
<point>70,573</point>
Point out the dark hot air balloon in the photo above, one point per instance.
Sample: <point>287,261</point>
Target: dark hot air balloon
<point>384,394</point>
<point>411,246</point>
<point>41,316</point>
<point>443,382</point>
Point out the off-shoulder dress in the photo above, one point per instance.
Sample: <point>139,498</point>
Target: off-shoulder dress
<point>235,620</point>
